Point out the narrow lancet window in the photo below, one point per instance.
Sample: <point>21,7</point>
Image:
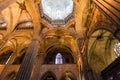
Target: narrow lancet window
<point>58,59</point>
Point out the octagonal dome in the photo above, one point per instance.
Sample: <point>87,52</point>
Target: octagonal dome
<point>57,9</point>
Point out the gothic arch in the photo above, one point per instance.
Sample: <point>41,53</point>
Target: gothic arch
<point>4,57</point>
<point>58,29</point>
<point>49,75</point>
<point>103,25</point>
<point>65,51</point>
<point>100,48</point>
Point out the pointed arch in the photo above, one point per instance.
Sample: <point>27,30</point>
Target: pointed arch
<point>58,59</point>
<point>5,56</point>
<point>49,75</point>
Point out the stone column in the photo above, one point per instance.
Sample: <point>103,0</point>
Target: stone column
<point>86,71</point>
<point>37,69</point>
<point>11,60</point>
<point>80,59</point>
<point>79,67</point>
<point>26,67</point>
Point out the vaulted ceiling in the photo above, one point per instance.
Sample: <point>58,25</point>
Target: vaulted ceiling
<point>20,20</point>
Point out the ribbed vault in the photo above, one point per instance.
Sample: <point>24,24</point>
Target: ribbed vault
<point>101,50</point>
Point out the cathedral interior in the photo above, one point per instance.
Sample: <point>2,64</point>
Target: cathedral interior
<point>58,39</point>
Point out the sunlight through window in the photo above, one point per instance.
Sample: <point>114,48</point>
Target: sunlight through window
<point>57,9</point>
<point>58,59</point>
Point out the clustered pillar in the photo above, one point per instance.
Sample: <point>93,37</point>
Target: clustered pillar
<point>37,69</point>
<point>25,70</point>
<point>85,70</point>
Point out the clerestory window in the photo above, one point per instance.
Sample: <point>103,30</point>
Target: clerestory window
<point>58,59</point>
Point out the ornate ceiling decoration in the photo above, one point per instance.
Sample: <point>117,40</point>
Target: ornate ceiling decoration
<point>57,11</point>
